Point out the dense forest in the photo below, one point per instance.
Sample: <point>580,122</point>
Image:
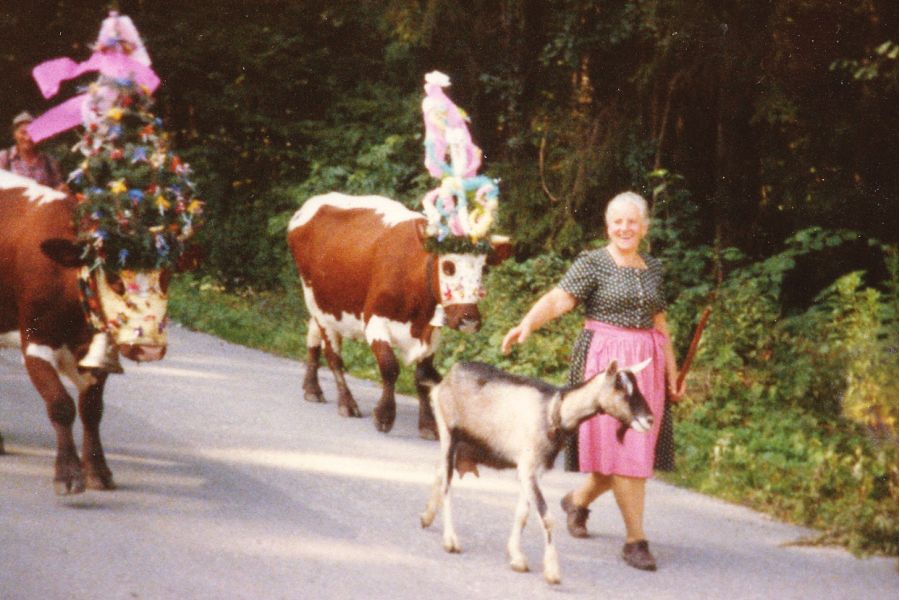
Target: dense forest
<point>764,133</point>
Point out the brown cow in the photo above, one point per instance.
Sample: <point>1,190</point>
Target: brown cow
<point>41,312</point>
<point>366,275</point>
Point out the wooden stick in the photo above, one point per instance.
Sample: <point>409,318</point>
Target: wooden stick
<point>692,349</point>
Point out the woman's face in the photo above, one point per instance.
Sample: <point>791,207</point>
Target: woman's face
<point>625,227</point>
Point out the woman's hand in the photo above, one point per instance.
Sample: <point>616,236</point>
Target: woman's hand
<point>676,392</point>
<point>516,335</point>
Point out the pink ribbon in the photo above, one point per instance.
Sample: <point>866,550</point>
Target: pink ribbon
<point>51,73</point>
<point>436,136</point>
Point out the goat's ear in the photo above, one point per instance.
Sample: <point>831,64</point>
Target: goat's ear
<point>612,369</point>
<point>640,366</point>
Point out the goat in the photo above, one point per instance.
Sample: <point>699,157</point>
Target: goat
<point>488,416</point>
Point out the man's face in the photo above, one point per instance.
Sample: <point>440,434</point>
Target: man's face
<point>23,140</point>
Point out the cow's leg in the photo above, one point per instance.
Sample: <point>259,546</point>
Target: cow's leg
<point>312,391</point>
<point>346,404</point>
<point>386,409</point>
<point>90,407</point>
<point>2,448</point>
<point>426,374</point>
<point>39,362</point>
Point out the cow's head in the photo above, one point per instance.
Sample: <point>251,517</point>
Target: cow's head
<point>130,305</point>
<point>459,278</point>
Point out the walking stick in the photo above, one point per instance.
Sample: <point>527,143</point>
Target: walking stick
<point>692,349</point>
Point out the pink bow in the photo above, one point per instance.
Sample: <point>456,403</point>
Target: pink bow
<point>51,73</point>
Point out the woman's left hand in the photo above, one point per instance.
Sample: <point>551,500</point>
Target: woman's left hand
<point>676,393</point>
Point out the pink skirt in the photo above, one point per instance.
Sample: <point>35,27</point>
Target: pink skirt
<point>599,449</point>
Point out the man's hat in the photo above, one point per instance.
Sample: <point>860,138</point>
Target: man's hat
<point>22,117</point>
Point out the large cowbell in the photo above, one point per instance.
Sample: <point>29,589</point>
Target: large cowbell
<point>133,306</point>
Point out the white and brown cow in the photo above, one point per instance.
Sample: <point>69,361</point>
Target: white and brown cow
<point>41,312</point>
<point>366,275</point>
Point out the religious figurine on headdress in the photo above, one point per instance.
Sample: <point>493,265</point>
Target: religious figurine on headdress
<point>448,206</point>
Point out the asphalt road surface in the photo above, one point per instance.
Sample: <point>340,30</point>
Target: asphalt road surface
<point>232,487</point>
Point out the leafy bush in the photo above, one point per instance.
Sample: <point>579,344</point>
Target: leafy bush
<point>797,414</point>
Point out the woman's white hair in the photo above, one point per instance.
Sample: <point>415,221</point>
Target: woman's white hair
<point>629,199</point>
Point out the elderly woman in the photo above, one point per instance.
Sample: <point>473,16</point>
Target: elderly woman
<point>621,290</point>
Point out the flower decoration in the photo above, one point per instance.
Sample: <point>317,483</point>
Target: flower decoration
<point>128,210</point>
<point>462,209</point>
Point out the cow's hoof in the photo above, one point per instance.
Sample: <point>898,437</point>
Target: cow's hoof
<point>346,410</point>
<point>69,486</point>
<point>97,481</point>
<point>427,434</point>
<point>316,397</point>
<point>383,426</point>
<point>2,449</point>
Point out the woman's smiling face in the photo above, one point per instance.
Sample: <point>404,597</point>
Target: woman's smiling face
<point>625,227</point>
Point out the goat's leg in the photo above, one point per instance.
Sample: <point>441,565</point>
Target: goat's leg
<point>517,560</point>
<point>437,493</point>
<point>312,391</point>
<point>451,542</point>
<point>551,560</point>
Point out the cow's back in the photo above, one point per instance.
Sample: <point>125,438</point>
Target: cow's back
<point>359,253</point>
<point>32,286</point>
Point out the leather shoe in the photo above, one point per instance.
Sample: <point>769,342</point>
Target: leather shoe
<point>576,517</point>
<point>637,554</point>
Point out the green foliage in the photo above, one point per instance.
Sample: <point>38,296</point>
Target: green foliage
<point>511,290</point>
<point>798,414</point>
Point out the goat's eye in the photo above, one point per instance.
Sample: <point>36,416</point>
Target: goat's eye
<point>448,268</point>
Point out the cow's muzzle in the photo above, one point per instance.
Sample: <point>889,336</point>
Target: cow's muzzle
<point>142,352</point>
<point>463,317</point>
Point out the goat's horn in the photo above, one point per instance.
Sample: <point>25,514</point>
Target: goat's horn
<point>640,366</point>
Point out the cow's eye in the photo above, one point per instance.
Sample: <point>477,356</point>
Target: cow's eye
<point>115,283</point>
<point>448,268</point>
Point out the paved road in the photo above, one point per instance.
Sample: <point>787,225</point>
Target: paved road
<point>231,487</point>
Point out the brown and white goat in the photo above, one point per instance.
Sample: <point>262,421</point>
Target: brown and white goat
<point>485,415</point>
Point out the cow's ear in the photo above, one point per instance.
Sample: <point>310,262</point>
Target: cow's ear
<point>501,249</point>
<point>65,252</point>
<point>421,224</point>
<point>191,259</point>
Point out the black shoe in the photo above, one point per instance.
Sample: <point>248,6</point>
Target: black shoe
<point>637,554</point>
<point>576,517</point>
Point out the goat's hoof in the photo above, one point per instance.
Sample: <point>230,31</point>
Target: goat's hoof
<point>451,545</point>
<point>315,397</point>
<point>552,578</point>
<point>427,434</point>
<point>519,565</point>
<point>425,520</point>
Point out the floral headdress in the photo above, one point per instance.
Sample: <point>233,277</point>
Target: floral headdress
<point>136,202</point>
<point>463,207</point>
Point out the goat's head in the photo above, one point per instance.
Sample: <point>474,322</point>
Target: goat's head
<point>625,402</point>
